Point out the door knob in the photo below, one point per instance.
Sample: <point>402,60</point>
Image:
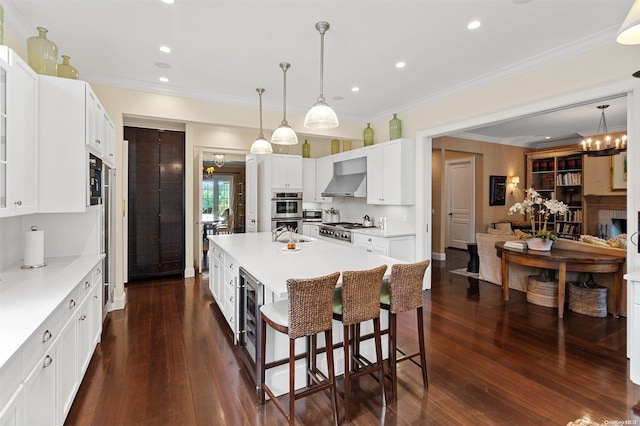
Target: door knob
<point>450,214</point>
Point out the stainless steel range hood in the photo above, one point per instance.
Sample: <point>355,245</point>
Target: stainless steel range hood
<point>349,179</point>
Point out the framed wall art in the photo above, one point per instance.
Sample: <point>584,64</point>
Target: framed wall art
<point>619,172</point>
<point>497,190</point>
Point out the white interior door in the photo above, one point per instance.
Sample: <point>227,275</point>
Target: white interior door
<point>199,224</point>
<point>460,181</point>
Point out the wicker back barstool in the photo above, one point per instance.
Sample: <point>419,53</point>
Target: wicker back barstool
<point>306,312</point>
<point>355,302</point>
<point>402,293</point>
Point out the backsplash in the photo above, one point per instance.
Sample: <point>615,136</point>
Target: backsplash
<point>354,209</point>
<point>65,234</point>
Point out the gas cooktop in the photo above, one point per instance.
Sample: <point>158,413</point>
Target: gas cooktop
<point>348,225</point>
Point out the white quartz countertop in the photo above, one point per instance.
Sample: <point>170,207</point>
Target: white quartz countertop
<point>385,233</point>
<point>29,296</point>
<point>272,264</point>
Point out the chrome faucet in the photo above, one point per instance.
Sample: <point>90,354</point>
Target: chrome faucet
<point>276,232</point>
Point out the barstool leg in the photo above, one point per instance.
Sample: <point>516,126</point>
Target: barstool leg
<point>378,340</point>
<point>292,381</point>
<point>423,355</point>
<point>347,376</point>
<point>263,351</point>
<point>328,337</point>
<point>393,356</point>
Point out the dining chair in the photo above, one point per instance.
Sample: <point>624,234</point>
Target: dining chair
<point>357,301</point>
<point>307,311</point>
<point>403,293</point>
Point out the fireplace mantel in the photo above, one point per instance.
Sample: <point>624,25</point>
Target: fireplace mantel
<point>594,203</point>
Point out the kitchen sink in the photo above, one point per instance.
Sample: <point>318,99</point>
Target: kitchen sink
<point>295,240</point>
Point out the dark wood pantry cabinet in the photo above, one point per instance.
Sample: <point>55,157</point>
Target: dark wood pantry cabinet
<point>156,202</point>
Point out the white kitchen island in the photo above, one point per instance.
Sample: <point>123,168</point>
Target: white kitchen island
<point>271,264</point>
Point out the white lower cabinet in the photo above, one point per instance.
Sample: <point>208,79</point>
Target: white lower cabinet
<point>45,373</point>
<point>402,248</point>
<point>40,390</point>
<point>13,412</point>
<point>310,230</point>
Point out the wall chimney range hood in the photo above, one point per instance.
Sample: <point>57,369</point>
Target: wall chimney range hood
<point>349,179</point>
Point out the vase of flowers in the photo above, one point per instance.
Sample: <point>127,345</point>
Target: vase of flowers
<point>538,210</point>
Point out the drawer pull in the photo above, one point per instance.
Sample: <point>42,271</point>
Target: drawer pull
<point>231,266</point>
<point>47,362</point>
<point>99,271</point>
<point>231,299</point>
<point>46,336</point>
<point>369,240</point>
<point>87,284</point>
<point>83,317</point>
<point>72,304</point>
<point>18,203</point>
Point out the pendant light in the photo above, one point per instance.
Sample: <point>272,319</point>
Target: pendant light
<point>261,145</point>
<point>629,32</point>
<point>219,160</point>
<point>284,135</point>
<point>321,116</point>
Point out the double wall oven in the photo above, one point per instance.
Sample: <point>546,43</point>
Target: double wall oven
<point>286,210</point>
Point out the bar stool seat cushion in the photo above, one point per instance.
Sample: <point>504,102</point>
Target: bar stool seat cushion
<point>278,312</point>
<point>337,301</point>
<point>385,292</point>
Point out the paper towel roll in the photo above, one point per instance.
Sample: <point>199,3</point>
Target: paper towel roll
<point>34,248</point>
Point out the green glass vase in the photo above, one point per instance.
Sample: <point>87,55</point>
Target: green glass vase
<point>306,149</point>
<point>42,53</point>
<point>65,69</point>
<point>368,135</point>
<point>395,127</point>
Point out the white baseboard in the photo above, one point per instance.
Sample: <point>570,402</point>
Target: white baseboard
<point>119,302</point>
<point>438,256</point>
<point>189,272</point>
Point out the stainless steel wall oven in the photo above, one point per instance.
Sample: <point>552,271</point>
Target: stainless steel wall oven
<point>286,205</point>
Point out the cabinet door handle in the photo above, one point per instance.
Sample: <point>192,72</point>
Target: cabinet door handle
<point>87,284</point>
<point>46,336</point>
<point>99,271</point>
<point>369,240</point>
<point>18,203</point>
<point>47,362</point>
<point>72,304</point>
<point>83,317</point>
<point>231,299</point>
<point>231,266</point>
<point>95,297</point>
<point>98,141</point>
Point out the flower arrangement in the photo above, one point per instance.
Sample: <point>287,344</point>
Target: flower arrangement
<point>537,210</point>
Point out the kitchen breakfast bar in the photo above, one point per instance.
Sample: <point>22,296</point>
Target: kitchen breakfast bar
<point>249,270</point>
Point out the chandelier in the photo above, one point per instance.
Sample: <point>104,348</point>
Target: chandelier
<point>604,145</point>
<point>207,172</point>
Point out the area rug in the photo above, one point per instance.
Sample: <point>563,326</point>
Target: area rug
<point>465,273</point>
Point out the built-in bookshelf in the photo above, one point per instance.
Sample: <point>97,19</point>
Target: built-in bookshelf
<point>558,174</point>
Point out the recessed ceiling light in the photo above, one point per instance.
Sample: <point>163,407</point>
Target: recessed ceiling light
<point>164,79</point>
<point>165,49</point>
<point>168,1</point>
<point>355,89</point>
<point>163,65</point>
<point>338,98</point>
<point>400,64</point>
<point>474,25</point>
<point>547,137</point>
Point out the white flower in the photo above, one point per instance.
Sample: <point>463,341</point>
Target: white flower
<point>537,209</point>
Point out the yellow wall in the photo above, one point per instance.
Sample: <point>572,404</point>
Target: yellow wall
<point>491,159</point>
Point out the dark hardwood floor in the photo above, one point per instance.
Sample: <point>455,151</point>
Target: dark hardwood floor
<point>168,359</point>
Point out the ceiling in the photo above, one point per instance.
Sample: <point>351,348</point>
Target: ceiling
<point>223,50</point>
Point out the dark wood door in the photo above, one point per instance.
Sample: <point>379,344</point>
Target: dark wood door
<point>156,202</point>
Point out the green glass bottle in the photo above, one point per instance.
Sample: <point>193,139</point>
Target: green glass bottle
<point>65,69</point>
<point>395,127</point>
<point>335,146</point>
<point>368,135</point>
<point>306,149</point>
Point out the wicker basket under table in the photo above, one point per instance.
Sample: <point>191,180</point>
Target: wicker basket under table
<point>542,290</point>
<point>587,297</point>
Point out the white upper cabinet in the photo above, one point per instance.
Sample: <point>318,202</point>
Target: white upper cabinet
<point>324,173</point>
<point>286,172</point>
<point>72,125</point>
<point>308,179</point>
<point>391,173</point>
<point>18,136</point>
